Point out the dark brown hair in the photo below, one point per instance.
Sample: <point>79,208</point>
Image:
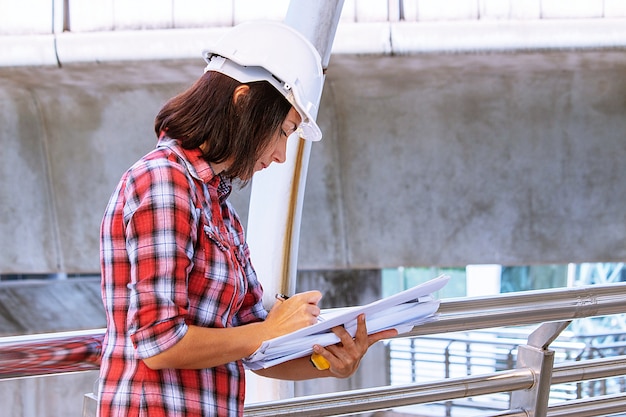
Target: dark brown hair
<point>207,114</point>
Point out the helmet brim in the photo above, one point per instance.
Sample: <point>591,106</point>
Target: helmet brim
<point>308,128</point>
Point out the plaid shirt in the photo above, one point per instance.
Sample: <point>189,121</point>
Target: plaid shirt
<point>173,254</point>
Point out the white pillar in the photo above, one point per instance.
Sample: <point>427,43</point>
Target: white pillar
<point>483,279</point>
<point>277,194</point>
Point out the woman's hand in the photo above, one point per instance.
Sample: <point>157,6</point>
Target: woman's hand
<point>296,312</point>
<point>345,356</point>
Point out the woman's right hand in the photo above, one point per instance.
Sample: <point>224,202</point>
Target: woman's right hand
<point>296,312</point>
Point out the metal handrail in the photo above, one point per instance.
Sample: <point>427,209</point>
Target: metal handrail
<point>589,369</point>
<point>32,355</point>
<point>597,406</point>
<point>526,307</point>
<point>380,398</point>
<point>50,353</point>
<point>349,402</point>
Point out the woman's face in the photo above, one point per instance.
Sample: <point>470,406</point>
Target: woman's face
<point>277,150</point>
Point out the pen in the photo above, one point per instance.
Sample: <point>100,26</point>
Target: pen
<point>281,297</point>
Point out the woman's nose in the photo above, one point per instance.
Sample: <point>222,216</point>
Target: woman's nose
<point>280,152</point>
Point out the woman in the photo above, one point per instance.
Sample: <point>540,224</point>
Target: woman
<point>183,302</point>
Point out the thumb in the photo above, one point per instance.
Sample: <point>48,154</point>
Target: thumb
<point>383,334</point>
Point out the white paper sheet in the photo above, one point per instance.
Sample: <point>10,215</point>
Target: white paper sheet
<point>401,311</point>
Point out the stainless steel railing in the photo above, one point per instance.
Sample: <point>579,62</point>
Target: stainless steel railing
<point>50,353</point>
<point>530,383</point>
<point>396,396</point>
<point>349,402</point>
<point>77,351</point>
<point>451,355</point>
<point>527,307</point>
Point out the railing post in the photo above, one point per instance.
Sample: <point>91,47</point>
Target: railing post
<point>448,365</point>
<point>536,356</point>
<point>90,405</point>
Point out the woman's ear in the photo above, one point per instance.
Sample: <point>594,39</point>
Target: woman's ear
<point>240,91</point>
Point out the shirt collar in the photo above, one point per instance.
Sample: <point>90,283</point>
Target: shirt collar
<point>198,167</point>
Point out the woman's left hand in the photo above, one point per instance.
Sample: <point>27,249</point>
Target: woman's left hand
<point>345,356</point>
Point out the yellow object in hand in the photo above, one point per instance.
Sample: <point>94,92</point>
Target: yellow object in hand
<point>319,361</point>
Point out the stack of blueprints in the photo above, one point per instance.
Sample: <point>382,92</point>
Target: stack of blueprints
<point>401,311</point>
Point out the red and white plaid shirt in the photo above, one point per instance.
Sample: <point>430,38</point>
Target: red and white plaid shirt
<point>173,254</point>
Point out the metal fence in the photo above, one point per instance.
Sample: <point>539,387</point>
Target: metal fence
<point>435,357</point>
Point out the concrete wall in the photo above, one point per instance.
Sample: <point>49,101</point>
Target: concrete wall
<point>46,306</point>
<point>428,159</point>
<point>478,158</point>
<point>70,133</point>
<point>47,396</point>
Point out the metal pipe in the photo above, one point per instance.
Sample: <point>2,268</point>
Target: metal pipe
<point>395,396</point>
<point>23,356</point>
<point>509,413</point>
<point>33,355</point>
<point>597,406</point>
<point>430,392</point>
<point>589,369</point>
<point>528,307</point>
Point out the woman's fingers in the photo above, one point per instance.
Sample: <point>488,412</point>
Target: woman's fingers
<point>293,313</point>
<point>344,357</point>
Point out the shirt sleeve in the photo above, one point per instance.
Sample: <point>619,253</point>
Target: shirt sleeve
<point>161,230</point>
<point>251,309</point>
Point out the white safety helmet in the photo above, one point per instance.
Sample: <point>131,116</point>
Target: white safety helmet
<point>279,54</point>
